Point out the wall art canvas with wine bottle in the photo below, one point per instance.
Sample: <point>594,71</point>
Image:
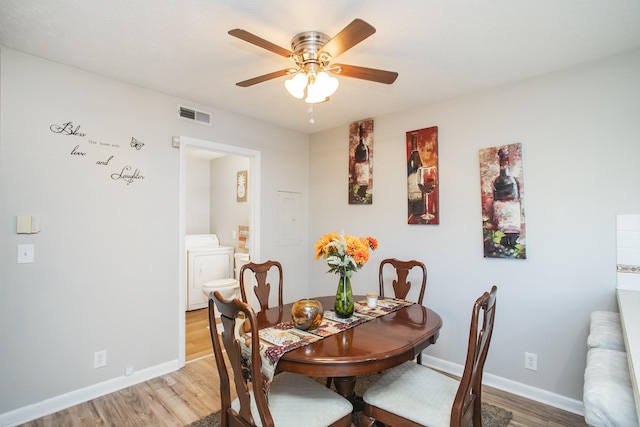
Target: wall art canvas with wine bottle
<point>361,162</point>
<point>422,176</point>
<point>502,195</point>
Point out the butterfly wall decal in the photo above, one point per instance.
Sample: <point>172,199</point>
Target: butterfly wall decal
<point>136,144</point>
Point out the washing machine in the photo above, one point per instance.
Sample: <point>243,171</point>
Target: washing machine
<point>207,261</point>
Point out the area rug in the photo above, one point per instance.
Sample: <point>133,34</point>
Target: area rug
<point>492,416</point>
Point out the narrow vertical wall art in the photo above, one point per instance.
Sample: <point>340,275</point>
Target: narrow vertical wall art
<point>242,185</point>
<point>361,163</point>
<point>422,176</point>
<point>502,194</point>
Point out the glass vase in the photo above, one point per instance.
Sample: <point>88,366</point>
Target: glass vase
<point>344,298</point>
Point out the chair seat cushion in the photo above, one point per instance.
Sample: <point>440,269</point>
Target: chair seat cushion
<point>605,331</point>
<point>296,400</point>
<point>415,392</point>
<point>608,395</point>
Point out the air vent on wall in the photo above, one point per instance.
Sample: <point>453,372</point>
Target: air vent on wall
<point>195,115</point>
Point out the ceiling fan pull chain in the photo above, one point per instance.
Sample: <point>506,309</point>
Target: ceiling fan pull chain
<point>311,119</point>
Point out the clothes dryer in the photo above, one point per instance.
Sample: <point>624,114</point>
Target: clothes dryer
<point>207,263</point>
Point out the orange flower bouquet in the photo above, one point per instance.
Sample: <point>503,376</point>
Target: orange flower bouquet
<point>344,254</point>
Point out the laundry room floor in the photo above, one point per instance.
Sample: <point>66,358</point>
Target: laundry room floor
<point>198,340</point>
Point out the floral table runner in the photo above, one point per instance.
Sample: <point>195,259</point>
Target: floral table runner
<point>276,340</point>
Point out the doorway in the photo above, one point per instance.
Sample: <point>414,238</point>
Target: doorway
<point>186,144</point>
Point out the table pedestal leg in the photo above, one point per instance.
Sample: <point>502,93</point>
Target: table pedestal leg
<point>345,386</point>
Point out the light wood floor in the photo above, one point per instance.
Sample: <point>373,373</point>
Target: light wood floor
<point>197,332</point>
<point>184,396</point>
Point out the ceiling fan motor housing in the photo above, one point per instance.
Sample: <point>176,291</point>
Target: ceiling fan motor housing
<point>307,48</point>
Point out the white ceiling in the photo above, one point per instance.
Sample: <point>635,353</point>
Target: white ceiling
<point>441,49</point>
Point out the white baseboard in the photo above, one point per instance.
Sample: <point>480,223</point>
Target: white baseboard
<point>58,403</point>
<point>513,387</point>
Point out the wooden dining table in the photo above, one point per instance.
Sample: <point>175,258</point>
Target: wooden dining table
<point>369,347</point>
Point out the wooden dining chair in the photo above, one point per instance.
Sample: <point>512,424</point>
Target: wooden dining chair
<point>294,399</point>
<point>401,286</point>
<point>414,395</point>
<point>262,289</point>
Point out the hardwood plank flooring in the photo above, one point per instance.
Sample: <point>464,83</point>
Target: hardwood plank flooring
<point>529,413</point>
<point>198,342</point>
<point>184,396</point>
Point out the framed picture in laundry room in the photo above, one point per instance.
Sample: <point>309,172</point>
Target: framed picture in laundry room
<point>242,185</point>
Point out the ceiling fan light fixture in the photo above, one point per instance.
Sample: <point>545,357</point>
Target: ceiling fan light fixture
<point>321,88</point>
<point>314,94</point>
<point>327,84</point>
<point>296,85</point>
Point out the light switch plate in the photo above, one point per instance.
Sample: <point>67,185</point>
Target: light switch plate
<point>25,254</point>
<point>23,224</point>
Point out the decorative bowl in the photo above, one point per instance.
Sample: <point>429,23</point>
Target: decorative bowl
<point>307,314</point>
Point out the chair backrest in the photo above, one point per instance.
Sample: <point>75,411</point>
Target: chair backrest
<point>229,311</point>
<point>262,288</point>
<point>466,408</point>
<point>401,287</point>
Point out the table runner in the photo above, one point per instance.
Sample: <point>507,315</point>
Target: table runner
<point>276,340</point>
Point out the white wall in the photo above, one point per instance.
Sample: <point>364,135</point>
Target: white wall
<point>226,212</point>
<point>106,261</point>
<point>197,195</point>
<point>579,131</point>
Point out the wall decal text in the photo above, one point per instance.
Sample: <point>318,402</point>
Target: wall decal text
<point>104,162</point>
<point>67,129</point>
<point>105,144</point>
<point>126,176</point>
<point>75,151</point>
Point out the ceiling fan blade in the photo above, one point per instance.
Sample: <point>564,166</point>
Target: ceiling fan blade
<point>350,36</point>
<point>372,74</point>
<point>253,39</point>
<point>264,78</point>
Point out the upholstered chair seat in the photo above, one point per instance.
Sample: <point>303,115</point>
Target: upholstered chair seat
<point>417,392</point>
<point>296,400</point>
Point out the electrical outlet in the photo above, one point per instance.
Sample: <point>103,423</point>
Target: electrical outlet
<point>531,361</point>
<point>25,254</point>
<point>128,370</point>
<point>100,359</point>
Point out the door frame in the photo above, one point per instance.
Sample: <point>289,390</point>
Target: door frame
<point>254,156</point>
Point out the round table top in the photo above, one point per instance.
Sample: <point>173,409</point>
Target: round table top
<point>379,344</point>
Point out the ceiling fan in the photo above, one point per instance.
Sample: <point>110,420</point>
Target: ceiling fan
<point>312,52</point>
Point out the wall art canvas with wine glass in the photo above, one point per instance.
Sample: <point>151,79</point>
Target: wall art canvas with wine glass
<point>422,176</point>
<point>502,195</point>
<point>361,162</point>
